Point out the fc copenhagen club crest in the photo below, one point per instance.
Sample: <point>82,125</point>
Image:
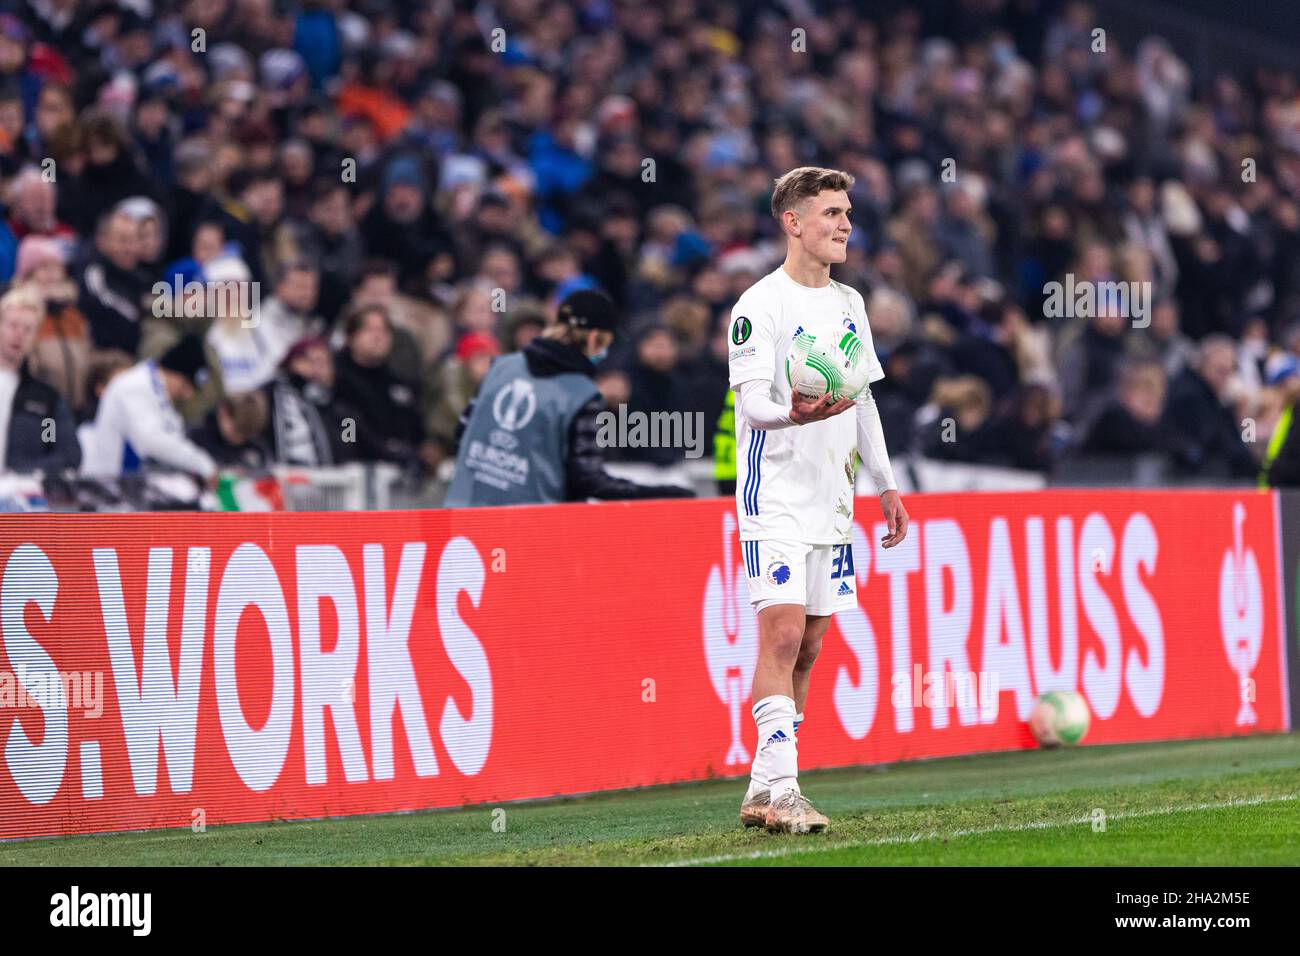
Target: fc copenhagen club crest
<point>741,330</point>
<point>778,572</point>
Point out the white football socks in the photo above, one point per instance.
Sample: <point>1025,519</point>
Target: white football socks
<point>776,762</point>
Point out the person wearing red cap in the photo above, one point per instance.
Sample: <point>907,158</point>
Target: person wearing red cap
<point>530,434</point>
<point>458,380</point>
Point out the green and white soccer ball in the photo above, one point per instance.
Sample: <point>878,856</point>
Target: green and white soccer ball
<point>1059,717</point>
<point>817,364</point>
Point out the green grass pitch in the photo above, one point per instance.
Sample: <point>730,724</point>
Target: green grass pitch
<point>1215,803</point>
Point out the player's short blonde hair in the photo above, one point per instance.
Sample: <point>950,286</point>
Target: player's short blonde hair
<point>805,182</point>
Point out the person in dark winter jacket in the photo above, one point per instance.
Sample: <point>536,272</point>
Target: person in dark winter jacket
<point>36,425</point>
<point>112,287</point>
<point>402,227</point>
<point>531,435</point>
<point>110,174</point>
<point>389,421</point>
<point>657,385</point>
<point>1199,420</point>
<point>1131,423</point>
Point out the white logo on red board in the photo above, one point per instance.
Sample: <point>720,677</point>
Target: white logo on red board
<point>730,639</point>
<point>1241,611</point>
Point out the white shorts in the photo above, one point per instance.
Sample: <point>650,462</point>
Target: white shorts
<point>818,576</point>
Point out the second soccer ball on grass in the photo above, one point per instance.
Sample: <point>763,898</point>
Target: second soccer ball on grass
<point>1059,717</point>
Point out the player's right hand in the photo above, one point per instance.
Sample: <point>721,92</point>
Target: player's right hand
<point>802,412</point>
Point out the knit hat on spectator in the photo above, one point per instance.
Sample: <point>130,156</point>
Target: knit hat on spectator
<point>589,309</point>
<point>473,344</point>
<point>34,252</point>
<point>301,346</point>
<point>403,171</point>
<point>186,358</point>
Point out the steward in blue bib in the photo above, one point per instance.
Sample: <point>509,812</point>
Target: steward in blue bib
<point>530,434</point>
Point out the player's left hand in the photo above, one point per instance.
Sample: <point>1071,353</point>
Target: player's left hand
<point>895,519</point>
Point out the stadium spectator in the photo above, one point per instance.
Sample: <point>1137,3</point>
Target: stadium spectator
<point>191,198</point>
<point>13,144</point>
<point>32,204</point>
<point>234,433</point>
<point>290,314</point>
<point>208,245</point>
<point>421,331</point>
<point>954,424</point>
<point>250,216</point>
<point>61,355</point>
<point>914,231</point>
<point>1199,415</point>
<point>988,349</point>
<point>308,426</point>
<point>137,421</point>
<point>657,385</point>
<point>1162,340</point>
<point>55,107</point>
<point>113,288</point>
<point>247,341</point>
<point>109,176</point>
<point>1131,423</point>
<point>388,427</point>
<point>1090,364</point>
<point>705,376</point>
<point>151,224</point>
<point>526,322</point>
<point>966,231</point>
<point>330,236</point>
<point>37,429</point>
<point>458,381</point>
<point>402,228</point>
<point>1027,430</point>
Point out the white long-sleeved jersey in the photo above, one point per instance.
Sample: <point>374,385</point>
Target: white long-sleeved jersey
<point>795,483</point>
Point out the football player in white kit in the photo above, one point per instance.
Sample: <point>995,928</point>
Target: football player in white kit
<point>796,461</point>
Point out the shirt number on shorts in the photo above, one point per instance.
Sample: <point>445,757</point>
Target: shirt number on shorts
<point>842,563</point>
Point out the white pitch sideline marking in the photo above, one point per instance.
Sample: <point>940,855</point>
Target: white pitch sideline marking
<point>957,834</point>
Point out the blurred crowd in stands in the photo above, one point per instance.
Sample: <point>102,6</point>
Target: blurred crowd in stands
<point>410,188</point>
